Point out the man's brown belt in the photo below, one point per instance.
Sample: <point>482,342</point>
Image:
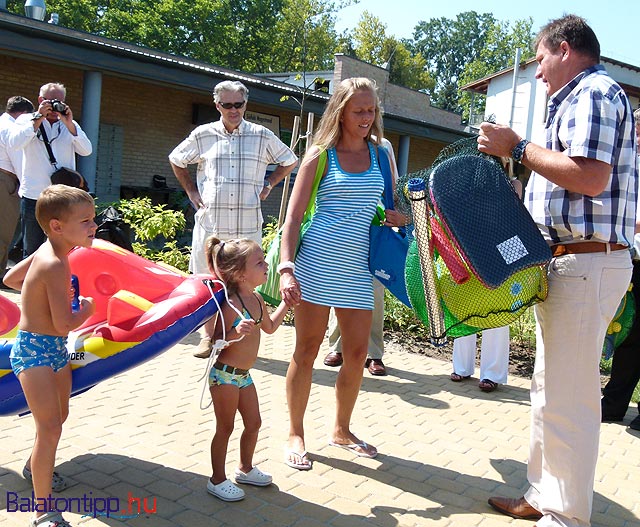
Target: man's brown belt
<point>585,247</point>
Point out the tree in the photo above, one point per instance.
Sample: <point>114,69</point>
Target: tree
<point>448,45</point>
<point>247,35</point>
<point>498,53</point>
<point>370,44</point>
<point>304,38</point>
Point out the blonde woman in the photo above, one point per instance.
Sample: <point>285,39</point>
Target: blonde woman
<point>331,267</point>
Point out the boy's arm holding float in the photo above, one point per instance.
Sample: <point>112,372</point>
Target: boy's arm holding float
<point>57,291</point>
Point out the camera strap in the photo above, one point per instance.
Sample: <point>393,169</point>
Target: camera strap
<point>47,145</point>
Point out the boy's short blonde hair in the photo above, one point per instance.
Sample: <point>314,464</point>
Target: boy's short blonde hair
<point>57,202</point>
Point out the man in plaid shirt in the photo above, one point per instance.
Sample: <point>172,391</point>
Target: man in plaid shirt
<point>582,194</point>
<point>232,156</point>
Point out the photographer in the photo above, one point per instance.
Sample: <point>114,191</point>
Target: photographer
<point>66,139</point>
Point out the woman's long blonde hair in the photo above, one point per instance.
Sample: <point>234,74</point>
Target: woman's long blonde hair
<point>329,130</point>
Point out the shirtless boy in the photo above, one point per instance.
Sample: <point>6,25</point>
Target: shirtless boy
<point>39,355</point>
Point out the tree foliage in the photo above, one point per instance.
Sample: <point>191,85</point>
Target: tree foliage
<point>304,38</point>
<point>247,35</point>
<point>497,54</point>
<point>456,49</point>
<point>264,36</point>
<point>370,43</point>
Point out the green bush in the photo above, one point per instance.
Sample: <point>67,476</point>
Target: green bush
<point>155,229</point>
<point>269,232</point>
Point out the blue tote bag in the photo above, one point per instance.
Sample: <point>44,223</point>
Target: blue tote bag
<point>388,246</point>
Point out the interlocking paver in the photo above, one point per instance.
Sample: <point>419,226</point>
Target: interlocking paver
<point>444,449</point>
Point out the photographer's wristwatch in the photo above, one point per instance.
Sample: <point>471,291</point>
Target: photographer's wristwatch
<point>268,184</point>
<point>37,116</point>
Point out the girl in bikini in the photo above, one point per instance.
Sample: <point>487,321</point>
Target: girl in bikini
<point>240,265</point>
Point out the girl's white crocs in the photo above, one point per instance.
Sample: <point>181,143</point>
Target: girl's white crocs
<point>226,491</point>
<point>254,477</point>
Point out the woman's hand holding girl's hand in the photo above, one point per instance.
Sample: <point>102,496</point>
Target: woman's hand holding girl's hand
<point>290,288</point>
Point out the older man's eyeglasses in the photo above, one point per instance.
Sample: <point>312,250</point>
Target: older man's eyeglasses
<point>229,105</point>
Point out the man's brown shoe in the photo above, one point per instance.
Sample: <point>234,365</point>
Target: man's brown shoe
<point>376,367</point>
<point>516,508</point>
<point>333,359</point>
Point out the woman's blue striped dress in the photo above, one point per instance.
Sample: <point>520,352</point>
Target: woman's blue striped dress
<point>332,265</point>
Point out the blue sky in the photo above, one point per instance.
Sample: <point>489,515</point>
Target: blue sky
<point>614,23</point>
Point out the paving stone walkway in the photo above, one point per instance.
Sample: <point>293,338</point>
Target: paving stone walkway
<point>444,449</point>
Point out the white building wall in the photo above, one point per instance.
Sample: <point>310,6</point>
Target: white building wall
<point>530,105</point>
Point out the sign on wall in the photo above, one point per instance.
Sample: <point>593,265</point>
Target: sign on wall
<point>272,122</point>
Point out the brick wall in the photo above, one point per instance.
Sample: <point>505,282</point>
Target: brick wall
<point>25,77</point>
<point>154,118</point>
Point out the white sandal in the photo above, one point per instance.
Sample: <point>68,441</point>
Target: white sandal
<point>226,491</point>
<point>58,483</point>
<point>50,519</point>
<point>254,477</point>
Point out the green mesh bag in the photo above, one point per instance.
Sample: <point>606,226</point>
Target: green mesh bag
<point>479,261</point>
<point>415,289</point>
<point>621,324</point>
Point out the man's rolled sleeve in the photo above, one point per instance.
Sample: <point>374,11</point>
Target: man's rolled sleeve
<point>186,152</point>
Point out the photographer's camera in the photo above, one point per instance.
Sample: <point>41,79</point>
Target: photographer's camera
<point>59,106</point>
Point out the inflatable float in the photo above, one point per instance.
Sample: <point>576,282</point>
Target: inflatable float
<point>142,309</point>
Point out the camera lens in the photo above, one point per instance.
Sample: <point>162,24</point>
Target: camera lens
<point>59,106</point>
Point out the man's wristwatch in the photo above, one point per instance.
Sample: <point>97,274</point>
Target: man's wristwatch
<point>268,184</point>
<point>37,116</point>
<point>518,151</point>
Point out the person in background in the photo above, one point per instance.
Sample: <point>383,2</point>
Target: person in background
<point>66,138</point>
<point>494,355</point>
<point>582,194</point>
<point>10,173</point>
<point>625,367</point>
<point>494,358</point>
<point>232,156</point>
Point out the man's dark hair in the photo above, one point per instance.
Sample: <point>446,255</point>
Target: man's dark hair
<point>575,31</point>
<point>19,104</point>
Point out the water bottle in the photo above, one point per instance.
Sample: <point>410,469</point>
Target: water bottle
<point>75,284</point>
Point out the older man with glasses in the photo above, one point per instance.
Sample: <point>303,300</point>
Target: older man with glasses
<point>232,157</point>
<point>53,123</point>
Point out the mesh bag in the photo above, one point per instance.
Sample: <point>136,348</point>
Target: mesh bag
<point>479,259</point>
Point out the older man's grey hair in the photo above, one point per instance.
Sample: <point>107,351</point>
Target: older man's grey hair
<point>44,90</point>
<point>230,86</point>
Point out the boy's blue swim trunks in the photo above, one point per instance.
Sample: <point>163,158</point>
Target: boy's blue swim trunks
<point>33,349</point>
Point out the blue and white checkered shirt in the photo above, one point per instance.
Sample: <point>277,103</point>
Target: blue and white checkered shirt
<point>589,117</point>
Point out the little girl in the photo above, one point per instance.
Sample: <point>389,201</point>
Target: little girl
<point>240,265</point>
